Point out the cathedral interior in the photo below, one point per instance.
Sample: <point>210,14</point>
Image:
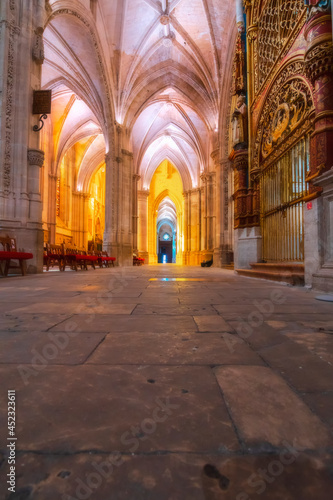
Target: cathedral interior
<point>141,142</point>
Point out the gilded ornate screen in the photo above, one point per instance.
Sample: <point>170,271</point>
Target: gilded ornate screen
<point>278,23</point>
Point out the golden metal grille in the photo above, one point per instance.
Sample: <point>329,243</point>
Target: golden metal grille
<point>283,189</point>
<point>276,23</point>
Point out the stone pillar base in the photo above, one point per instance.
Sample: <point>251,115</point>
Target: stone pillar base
<point>312,257</point>
<point>248,247</point>
<point>323,280</point>
<point>319,236</point>
<point>223,256</point>
<point>123,253</point>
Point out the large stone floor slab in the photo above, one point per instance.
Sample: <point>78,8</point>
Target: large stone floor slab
<point>174,349</point>
<point>302,368</point>
<point>267,412</point>
<point>83,307</point>
<point>124,324</point>
<point>41,348</point>
<point>204,386</point>
<point>287,475</point>
<point>116,408</point>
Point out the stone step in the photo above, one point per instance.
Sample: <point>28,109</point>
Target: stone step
<point>293,267</point>
<point>293,276</point>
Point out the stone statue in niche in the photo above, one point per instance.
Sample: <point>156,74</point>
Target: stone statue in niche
<point>239,122</point>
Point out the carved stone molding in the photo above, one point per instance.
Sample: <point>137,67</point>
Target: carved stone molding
<point>293,102</point>
<point>215,156</point>
<point>319,60</point>
<point>285,113</point>
<point>143,192</point>
<point>279,22</point>
<point>13,30</point>
<point>239,75</point>
<point>36,157</point>
<point>38,47</point>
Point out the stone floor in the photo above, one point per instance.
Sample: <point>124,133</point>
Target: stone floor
<point>203,386</point>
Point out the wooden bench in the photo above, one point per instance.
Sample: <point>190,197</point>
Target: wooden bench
<point>9,253</point>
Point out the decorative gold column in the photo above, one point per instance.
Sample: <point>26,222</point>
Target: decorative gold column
<point>319,69</point>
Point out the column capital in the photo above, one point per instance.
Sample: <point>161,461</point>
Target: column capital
<point>215,156</point>
<point>36,157</point>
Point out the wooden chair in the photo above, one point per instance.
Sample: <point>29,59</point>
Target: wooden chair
<point>10,253</point>
<point>104,260</point>
<point>54,255</point>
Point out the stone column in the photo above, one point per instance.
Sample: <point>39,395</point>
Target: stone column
<point>189,226</point>
<point>218,212</point>
<point>203,203</point>
<point>20,74</point>
<point>211,216</point>
<point>248,241</point>
<point>80,211</point>
<point>52,208</point>
<point>126,207</point>
<point>118,237</point>
<point>84,210</point>
<point>35,163</point>
<point>136,179</point>
<point>185,226</point>
<point>110,213</point>
<point>319,69</point>
<point>318,213</point>
<point>319,269</point>
<point>225,254</point>
<point>143,224</point>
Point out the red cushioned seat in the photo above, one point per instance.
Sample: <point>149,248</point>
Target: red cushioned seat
<point>81,257</point>
<point>15,255</point>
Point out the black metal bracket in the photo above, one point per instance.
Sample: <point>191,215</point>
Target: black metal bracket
<point>41,118</point>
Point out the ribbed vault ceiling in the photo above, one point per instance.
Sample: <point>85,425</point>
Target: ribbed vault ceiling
<point>155,67</point>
